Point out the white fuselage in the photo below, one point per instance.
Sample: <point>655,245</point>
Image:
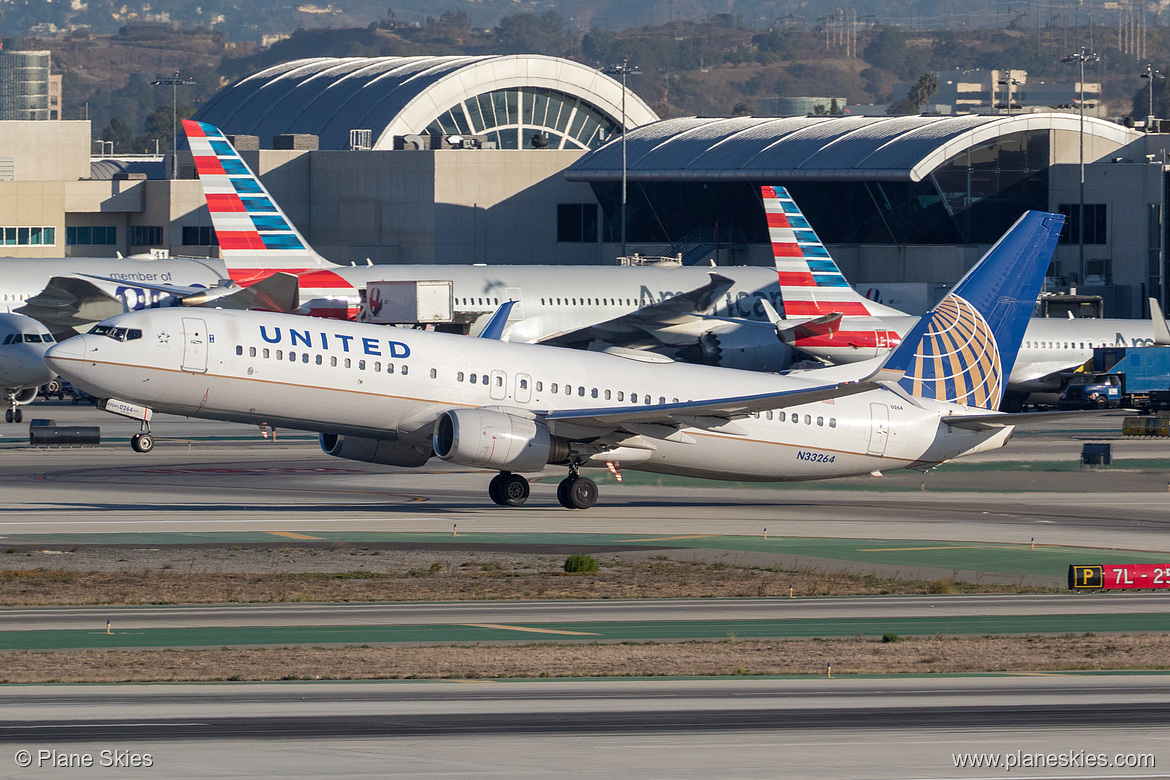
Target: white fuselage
<point>21,278</point>
<point>1050,345</point>
<point>371,381</point>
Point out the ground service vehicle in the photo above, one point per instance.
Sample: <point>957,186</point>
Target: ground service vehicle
<point>1134,377</point>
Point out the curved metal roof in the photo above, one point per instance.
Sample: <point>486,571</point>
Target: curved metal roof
<point>329,96</point>
<point>107,168</point>
<point>903,148</point>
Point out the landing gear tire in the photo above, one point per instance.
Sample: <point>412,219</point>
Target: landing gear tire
<point>576,492</point>
<point>507,489</point>
<point>494,491</point>
<point>514,490</point>
<point>17,415</point>
<point>142,442</point>
<point>7,415</point>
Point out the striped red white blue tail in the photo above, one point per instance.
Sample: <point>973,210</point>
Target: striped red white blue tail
<point>811,284</point>
<point>256,239</point>
<point>252,230</point>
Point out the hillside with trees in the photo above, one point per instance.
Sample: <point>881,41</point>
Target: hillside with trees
<point>713,67</point>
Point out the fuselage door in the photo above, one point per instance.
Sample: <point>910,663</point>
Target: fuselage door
<point>879,428</point>
<point>499,386</point>
<point>523,388</point>
<point>194,345</point>
<point>514,294</point>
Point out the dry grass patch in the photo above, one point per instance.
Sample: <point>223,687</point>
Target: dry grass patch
<point>279,576</point>
<point>778,657</point>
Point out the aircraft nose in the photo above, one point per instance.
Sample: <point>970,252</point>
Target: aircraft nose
<point>65,353</point>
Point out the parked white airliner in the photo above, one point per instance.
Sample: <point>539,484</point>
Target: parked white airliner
<point>400,396</point>
<point>23,343</point>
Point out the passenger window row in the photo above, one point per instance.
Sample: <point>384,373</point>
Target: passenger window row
<point>304,357</point>
<point>587,302</point>
<point>794,417</point>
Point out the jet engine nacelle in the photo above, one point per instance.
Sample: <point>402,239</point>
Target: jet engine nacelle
<point>389,453</point>
<point>747,348</point>
<point>485,438</point>
<point>26,395</point>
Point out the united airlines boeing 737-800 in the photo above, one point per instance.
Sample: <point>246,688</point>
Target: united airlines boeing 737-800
<point>399,397</point>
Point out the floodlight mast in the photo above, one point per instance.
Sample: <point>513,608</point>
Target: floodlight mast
<point>1081,57</point>
<point>625,69</point>
<point>174,82</point>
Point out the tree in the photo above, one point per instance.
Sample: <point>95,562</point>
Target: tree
<point>120,134</point>
<point>920,94</point>
<point>530,34</point>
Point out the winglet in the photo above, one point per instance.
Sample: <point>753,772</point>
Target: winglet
<point>1161,332</point>
<point>495,327</point>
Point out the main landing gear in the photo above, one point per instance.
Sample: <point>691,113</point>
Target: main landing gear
<point>508,489</point>
<point>576,491</point>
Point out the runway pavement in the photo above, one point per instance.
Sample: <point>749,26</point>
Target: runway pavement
<point>842,728</point>
<point>542,612</point>
<point>220,477</point>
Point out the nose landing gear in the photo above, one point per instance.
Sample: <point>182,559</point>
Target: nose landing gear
<point>13,413</point>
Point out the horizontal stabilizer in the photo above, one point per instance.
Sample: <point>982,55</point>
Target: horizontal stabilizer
<point>821,326</point>
<point>987,422</point>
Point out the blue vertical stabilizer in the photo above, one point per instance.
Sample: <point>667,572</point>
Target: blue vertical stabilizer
<point>964,349</point>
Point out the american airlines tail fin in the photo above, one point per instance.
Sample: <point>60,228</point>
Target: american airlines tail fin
<point>963,350</point>
<point>811,284</point>
<point>255,237</point>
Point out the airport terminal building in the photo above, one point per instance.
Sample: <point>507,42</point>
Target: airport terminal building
<point>517,159</point>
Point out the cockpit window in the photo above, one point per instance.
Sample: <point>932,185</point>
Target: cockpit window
<point>32,338</point>
<point>117,334</point>
<point>8,339</point>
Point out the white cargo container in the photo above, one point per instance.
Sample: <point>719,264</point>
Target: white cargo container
<point>409,302</point>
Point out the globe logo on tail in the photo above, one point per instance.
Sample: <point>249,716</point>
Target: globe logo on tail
<point>957,359</point>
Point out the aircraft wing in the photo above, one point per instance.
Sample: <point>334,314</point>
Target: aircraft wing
<point>276,292</point>
<point>652,319</point>
<point>986,422</point>
<point>703,414</point>
<point>68,302</point>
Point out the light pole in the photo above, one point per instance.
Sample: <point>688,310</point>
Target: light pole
<point>625,69</point>
<point>1009,82</point>
<point>174,82</point>
<point>1083,56</point>
<point>1153,75</point>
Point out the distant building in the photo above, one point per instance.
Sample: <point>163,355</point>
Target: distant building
<point>1004,91</point>
<point>798,106</point>
<point>24,86</point>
